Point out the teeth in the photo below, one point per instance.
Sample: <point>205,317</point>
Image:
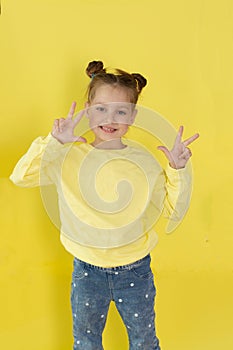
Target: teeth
<point>107,129</point>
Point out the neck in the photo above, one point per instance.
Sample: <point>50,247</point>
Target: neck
<point>111,144</point>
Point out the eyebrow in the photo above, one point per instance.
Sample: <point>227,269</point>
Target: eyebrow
<point>120,106</point>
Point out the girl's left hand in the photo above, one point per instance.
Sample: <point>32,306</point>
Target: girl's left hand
<point>180,153</point>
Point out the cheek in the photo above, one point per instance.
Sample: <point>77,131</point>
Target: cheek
<point>93,122</point>
<point>124,128</point>
<point>96,119</point>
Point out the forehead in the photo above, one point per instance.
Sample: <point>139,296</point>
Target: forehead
<point>108,93</point>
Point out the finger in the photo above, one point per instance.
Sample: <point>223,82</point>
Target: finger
<point>190,139</point>
<point>61,124</point>
<point>55,125</point>
<point>186,154</point>
<point>166,152</point>
<point>78,117</point>
<point>179,135</point>
<point>79,139</point>
<point>72,110</point>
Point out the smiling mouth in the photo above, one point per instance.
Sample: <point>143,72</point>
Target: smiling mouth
<point>106,129</point>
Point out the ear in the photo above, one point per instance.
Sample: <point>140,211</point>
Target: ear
<point>133,116</point>
<point>87,109</point>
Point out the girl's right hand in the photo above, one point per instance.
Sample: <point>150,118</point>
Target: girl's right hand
<point>63,128</point>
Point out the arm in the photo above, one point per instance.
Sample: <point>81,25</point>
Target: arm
<point>171,194</point>
<point>178,180</point>
<point>36,166</point>
<point>32,169</point>
<point>178,195</point>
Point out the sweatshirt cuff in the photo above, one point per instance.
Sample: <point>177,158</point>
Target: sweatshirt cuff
<point>173,171</point>
<point>179,175</point>
<point>52,141</point>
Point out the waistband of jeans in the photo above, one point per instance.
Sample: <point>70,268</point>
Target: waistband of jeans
<point>115,268</point>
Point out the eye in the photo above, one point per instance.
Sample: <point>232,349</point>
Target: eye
<point>122,112</point>
<point>100,109</point>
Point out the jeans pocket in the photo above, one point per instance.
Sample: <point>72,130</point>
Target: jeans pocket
<point>79,270</point>
<point>143,271</point>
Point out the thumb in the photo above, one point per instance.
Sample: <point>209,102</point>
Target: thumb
<point>165,151</point>
<point>168,154</point>
<point>79,139</point>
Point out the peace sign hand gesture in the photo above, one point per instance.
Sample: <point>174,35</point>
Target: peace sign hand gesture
<point>63,129</point>
<point>180,153</point>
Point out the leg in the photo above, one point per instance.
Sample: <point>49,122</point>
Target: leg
<point>90,302</point>
<point>134,296</point>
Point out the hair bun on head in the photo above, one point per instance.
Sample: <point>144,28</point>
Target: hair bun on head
<point>118,78</point>
<point>140,81</point>
<point>95,67</point>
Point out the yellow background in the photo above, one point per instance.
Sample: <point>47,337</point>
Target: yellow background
<point>185,50</point>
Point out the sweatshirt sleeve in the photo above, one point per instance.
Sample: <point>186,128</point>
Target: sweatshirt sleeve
<point>35,167</point>
<point>172,194</point>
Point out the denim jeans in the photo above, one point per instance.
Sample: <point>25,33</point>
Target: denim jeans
<point>132,289</point>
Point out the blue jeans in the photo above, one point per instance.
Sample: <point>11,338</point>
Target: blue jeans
<point>132,289</point>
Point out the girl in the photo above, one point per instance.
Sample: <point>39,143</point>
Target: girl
<point>110,239</point>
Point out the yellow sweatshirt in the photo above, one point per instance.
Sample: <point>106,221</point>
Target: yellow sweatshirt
<point>108,200</point>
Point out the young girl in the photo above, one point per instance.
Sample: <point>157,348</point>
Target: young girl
<point>110,239</point>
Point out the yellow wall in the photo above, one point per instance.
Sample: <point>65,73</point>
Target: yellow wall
<point>185,50</point>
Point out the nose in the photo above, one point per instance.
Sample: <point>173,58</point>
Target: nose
<point>110,117</point>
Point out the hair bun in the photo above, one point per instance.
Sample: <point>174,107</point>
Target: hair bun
<point>141,81</point>
<point>94,67</point>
